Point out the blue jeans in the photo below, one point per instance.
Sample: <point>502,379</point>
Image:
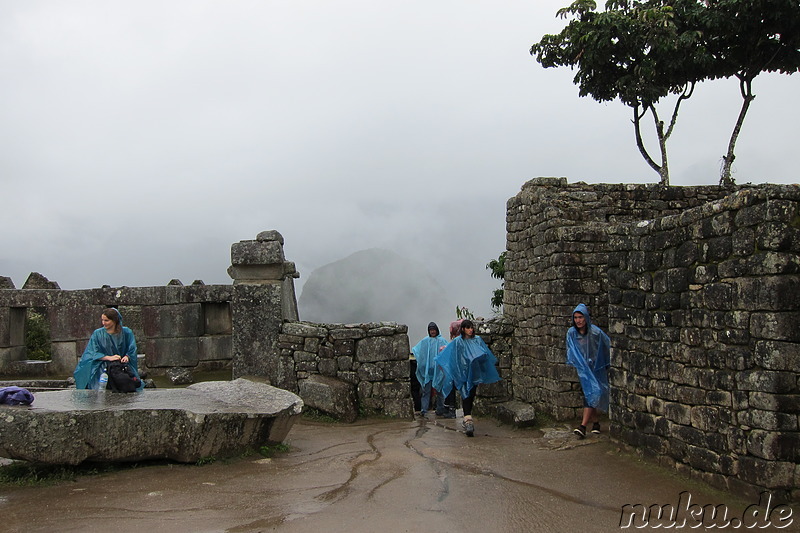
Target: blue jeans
<point>425,396</point>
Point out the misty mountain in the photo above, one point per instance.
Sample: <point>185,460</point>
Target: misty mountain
<point>376,285</point>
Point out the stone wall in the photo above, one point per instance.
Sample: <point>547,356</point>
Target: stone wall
<point>174,325</point>
<point>705,316</point>
<point>697,288</point>
<point>372,358</point>
<point>497,333</point>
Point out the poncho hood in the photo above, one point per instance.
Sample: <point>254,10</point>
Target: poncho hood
<point>582,309</point>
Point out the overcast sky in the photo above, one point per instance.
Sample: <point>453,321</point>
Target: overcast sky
<point>140,139</point>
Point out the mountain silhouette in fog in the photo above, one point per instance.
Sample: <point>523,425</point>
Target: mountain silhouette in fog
<point>375,285</point>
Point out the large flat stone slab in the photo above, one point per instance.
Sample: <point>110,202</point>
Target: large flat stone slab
<point>209,419</point>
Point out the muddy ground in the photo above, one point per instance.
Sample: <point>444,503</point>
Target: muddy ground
<point>372,476</point>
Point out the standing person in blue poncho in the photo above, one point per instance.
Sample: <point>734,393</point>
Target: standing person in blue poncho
<point>465,363</point>
<point>425,352</point>
<point>588,349</point>
<point>112,342</point>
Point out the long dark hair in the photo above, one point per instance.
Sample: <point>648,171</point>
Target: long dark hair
<point>467,324</point>
<point>114,316</point>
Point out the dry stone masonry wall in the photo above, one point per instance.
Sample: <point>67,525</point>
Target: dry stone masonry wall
<point>697,287</point>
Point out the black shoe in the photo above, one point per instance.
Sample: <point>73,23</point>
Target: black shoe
<point>596,428</point>
<point>580,431</point>
<point>445,413</point>
<point>469,428</point>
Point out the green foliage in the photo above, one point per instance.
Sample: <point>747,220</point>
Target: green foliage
<point>498,271</point>
<point>641,51</point>
<point>205,461</point>
<point>462,313</point>
<point>273,449</point>
<point>37,335</point>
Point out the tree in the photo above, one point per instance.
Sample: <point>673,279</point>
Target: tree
<point>746,38</point>
<point>643,51</point>
<point>498,270</point>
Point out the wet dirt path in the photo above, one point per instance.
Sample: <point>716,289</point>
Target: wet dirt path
<point>371,476</point>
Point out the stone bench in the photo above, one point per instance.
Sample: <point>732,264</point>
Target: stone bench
<point>209,419</point>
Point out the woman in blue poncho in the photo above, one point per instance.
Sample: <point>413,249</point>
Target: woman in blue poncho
<point>588,350</point>
<point>465,363</point>
<point>112,342</point>
<point>424,352</point>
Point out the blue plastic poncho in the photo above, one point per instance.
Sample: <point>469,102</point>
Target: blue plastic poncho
<point>463,364</point>
<point>15,396</point>
<point>425,352</point>
<point>589,354</point>
<point>101,343</point>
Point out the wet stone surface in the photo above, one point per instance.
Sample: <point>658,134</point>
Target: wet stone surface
<point>373,475</point>
<point>205,419</point>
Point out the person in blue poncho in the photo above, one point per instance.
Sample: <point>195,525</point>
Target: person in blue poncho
<point>112,342</point>
<point>588,350</point>
<point>425,352</point>
<point>465,363</point>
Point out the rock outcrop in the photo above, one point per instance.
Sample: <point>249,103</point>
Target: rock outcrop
<point>210,419</point>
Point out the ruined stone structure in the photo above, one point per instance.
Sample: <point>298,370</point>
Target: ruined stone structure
<point>698,289</point>
<point>175,326</point>
<point>371,363</point>
<point>200,327</point>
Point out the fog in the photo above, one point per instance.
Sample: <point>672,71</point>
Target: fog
<point>141,139</point>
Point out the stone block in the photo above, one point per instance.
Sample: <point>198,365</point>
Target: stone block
<point>774,446</point>
<point>786,403</point>
<point>767,381</point>
<point>211,419</point>
<point>301,329</point>
<point>64,357</point>
<point>12,326</point>
<point>347,333</point>
<point>257,320</point>
<point>9,356</point>
<point>172,352</point>
<point>311,344</point>
<point>398,407</point>
<point>217,318</point>
<point>396,369</point>
<point>170,321</point>
<point>373,349</point>
<point>256,273</point>
<point>391,389</point>
<point>74,320</point>
<point>215,347</point>
<point>518,414</point>
<point>114,296</point>
<point>344,347</point>
<point>331,396</point>
<point>370,372</point>
<point>775,355</point>
<point>327,367</point>
<point>678,413</point>
<point>774,236</point>
<point>705,418</point>
<point>702,459</point>
<point>768,420</point>
<point>257,253</point>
